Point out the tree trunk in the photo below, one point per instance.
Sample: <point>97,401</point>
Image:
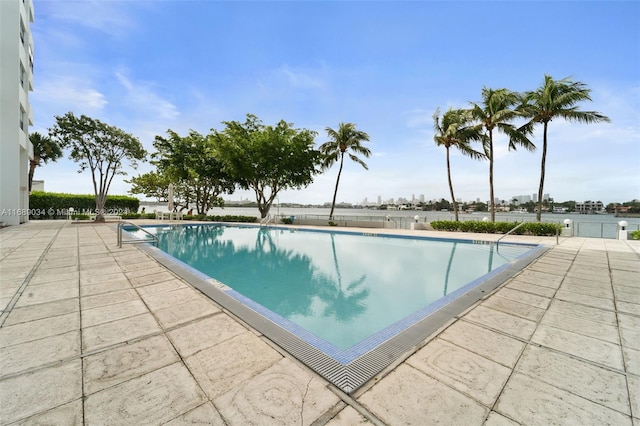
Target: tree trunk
<point>542,168</point>
<point>32,168</point>
<point>453,198</point>
<point>492,204</point>
<point>335,193</point>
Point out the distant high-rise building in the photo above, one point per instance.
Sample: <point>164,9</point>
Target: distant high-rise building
<point>16,81</point>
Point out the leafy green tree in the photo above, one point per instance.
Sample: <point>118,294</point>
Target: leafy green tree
<point>44,150</point>
<point>343,140</point>
<point>151,184</point>
<point>495,113</point>
<point>455,131</point>
<point>555,98</point>
<point>192,163</point>
<point>268,159</point>
<point>156,185</point>
<point>99,147</point>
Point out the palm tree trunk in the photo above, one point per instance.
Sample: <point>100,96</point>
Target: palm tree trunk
<point>32,169</point>
<point>335,193</point>
<point>542,167</point>
<point>492,198</point>
<point>453,198</point>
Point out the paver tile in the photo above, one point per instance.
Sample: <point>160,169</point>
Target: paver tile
<point>153,398</point>
<point>634,395</point>
<point>117,365</point>
<point>531,288</point>
<point>581,311</point>
<point>66,414</point>
<point>34,330</point>
<point>582,326</point>
<point>105,287</point>
<point>162,287</point>
<point>282,394</point>
<point>604,291</point>
<point>533,402</point>
<point>44,276</point>
<point>205,414</point>
<point>171,298</point>
<point>625,278</point>
<point>510,324</point>
<point>348,417</point>
<point>36,294</point>
<point>92,279</point>
<point>524,297</point>
<point>222,367</point>
<point>495,346</point>
<point>147,269</point>
<point>629,308</point>
<point>158,277</point>
<point>24,356</point>
<point>199,335</point>
<point>512,307</point>
<point>110,298</point>
<point>497,419</point>
<point>110,333</point>
<point>461,369</point>
<point>605,353</point>
<point>102,314</point>
<point>597,302</point>
<point>540,278</point>
<point>43,310</point>
<point>27,394</point>
<point>407,397</point>
<point>630,330</point>
<point>185,312</point>
<point>584,379</point>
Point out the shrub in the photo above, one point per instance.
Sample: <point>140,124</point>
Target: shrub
<point>131,215</point>
<point>53,205</point>
<point>530,228</point>
<point>635,235</point>
<point>286,220</point>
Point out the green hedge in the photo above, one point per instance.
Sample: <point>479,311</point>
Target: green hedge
<point>529,228</point>
<point>54,205</point>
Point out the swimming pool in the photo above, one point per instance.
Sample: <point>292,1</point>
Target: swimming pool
<point>344,297</point>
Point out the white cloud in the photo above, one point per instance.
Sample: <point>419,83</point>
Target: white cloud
<point>141,98</point>
<point>109,17</point>
<point>69,93</point>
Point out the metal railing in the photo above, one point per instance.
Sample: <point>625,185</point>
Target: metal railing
<point>510,231</point>
<point>265,220</point>
<point>152,238</point>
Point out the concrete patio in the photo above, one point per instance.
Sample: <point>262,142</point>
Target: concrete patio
<point>95,334</point>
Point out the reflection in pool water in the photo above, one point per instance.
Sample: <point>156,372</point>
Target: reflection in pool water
<point>340,287</point>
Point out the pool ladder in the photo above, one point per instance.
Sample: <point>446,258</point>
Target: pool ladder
<point>265,221</point>
<point>152,238</point>
<point>510,231</point>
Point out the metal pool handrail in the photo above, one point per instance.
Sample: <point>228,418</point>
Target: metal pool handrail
<point>510,231</point>
<point>121,224</point>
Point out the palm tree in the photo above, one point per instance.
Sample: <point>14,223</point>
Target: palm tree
<point>556,99</point>
<point>495,114</point>
<point>455,131</point>
<point>346,138</point>
<point>44,149</point>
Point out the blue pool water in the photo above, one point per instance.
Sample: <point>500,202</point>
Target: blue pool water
<point>336,290</point>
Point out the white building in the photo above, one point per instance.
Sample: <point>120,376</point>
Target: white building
<point>16,81</point>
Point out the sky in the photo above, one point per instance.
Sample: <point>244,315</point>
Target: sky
<point>150,66</point>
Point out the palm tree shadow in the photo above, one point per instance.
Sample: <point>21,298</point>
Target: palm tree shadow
<point>343,304</point>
